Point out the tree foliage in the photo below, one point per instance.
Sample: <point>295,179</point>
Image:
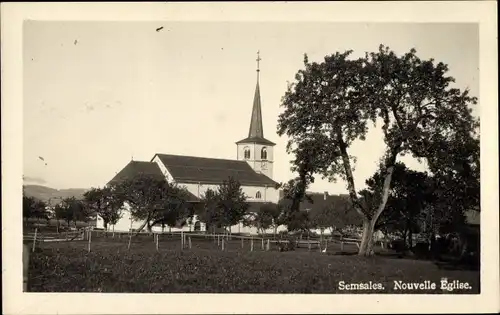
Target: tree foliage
<point>154,200</point>
<point>335,213</point>
<point>269,215</point>
<point>225,206</point>
<point>105,202</point>
<point>73,210</point>
<point>333,103</point>
<point>34,208</point>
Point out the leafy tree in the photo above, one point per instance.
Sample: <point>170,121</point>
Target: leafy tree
<point>73,210</point>
<point>334,214</point>
<point>152,199</point>
<point>268,216</point>
<point>34,208</point>
<point>225,206</point>
<point>105,202</point>
<point>299,221</point>
<point>208,212</point>
<point>332,104</point>
<point>60,213</point>
<point>231,203</point>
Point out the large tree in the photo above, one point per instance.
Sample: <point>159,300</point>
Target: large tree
<point>105,202</point>
<point>224,206</point>
<point>153,200</point>
<point>72,210</point>
<point>231,203</point>
<point>208,212</point>
<point>333,103</point>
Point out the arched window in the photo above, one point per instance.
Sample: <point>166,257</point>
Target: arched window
<point>263,153</point>
<point>258,195</point>
<point>246,153</point>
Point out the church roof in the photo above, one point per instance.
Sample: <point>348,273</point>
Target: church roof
<point>191,169</point>
<point>134,168</point>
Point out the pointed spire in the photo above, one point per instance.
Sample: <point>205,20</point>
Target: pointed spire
<point>256,130</point>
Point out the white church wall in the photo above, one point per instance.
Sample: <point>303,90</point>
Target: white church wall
<point>268,194</point>
<point>126,223</point>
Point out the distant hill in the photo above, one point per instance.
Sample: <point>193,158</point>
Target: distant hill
<point>54,195</point>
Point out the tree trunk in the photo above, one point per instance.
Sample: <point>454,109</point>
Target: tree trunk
<point>366,239</point>
<point>366,247</point>
<point>142,226</point>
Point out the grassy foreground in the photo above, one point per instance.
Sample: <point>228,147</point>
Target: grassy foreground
<point>68,267</point>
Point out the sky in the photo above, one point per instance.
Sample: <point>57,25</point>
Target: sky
<point>97,94</point>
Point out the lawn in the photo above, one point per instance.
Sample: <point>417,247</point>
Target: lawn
<point>110,267</point>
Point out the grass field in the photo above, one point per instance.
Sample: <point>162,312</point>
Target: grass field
<point>111,267</point>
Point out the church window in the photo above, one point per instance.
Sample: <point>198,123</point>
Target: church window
<point>263,153</point>
<point>258,195</point>
<point>246,153</point>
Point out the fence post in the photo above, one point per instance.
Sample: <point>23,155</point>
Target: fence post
<point>189,242</point>
<point>26,261</point>
<point>309,245</point>
<point>267,245</point>
<point>182,239</point>
<point>129,239</point>
<point>262,243</point>
<point>242,244</point>
<point>157,241</point>
<point>90,239</point>
<point>251,245</point>
<point>34,239</point>
<point>223,244</point>
<point>218,240</point>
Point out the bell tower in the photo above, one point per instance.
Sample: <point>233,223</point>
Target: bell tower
<point>256,150</point>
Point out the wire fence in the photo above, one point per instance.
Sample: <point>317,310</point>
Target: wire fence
<point>192,240</point>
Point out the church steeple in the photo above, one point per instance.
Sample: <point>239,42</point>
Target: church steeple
<point>256,129</point>
<point>256,150</point>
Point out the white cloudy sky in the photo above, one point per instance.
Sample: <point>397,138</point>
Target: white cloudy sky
<point>97,93</point>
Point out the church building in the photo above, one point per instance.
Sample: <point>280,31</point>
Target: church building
<point>253,168</point>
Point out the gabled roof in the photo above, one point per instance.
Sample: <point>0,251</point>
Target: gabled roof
<point>191,169</point>
<point>134,168</point>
